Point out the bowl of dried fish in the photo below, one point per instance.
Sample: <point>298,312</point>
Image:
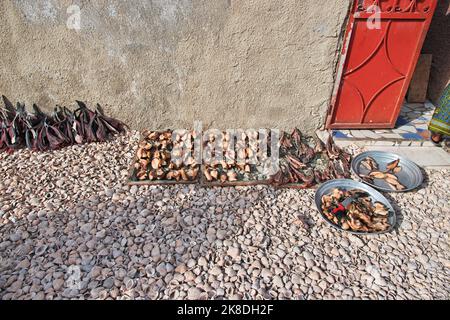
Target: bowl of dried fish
<point>354,207</point>
<point>387,171</point>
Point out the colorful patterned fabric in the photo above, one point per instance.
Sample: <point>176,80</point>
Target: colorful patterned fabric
<point>440,123</point>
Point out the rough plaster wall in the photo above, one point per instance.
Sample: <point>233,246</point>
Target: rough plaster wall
<point>166,63</point>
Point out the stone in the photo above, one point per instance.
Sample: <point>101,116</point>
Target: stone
<point>145,212</point>
<point>356,241</point>
<point>278,282</point>
<point>194,294</point>
<point>215,271</point>
<point>314,276</point>
<point>58,284</point>
<point>86,228</point>
<point>221,234</point>
<point>108,283</point>
<point>308,255</point>
<point>161,269</point>
<point>202,262</point>
<point>234,253</point>
<point>100,234</point>
<point>133,189</point>
<point>423,259</point>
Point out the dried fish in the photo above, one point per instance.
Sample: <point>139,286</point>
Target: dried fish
<point>388,176</point>
<point>207,175</point>
<point>391,181</point>
<point>306,166</point>
<point>366,178</point>
<point>370,164</point>
<point>397,169</point>
<point>360,215</point>
<point>236,161</point>
<point>154,155</point>
<point>142,175</point>
<point>377,175</point>
<point>170,175</point>
<point>183,175</point>
<point>392,165</point>
<point>391,176</point>
<point>42,132</point>
<point>380,209</point>
<point>214,174</point>
<point>232,176</point>
<point>156,163</point>
<point>152,175</point>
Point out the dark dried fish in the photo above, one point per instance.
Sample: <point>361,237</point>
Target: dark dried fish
<point>40,132</point>
<point>306,166</point>
<point>360,215</point>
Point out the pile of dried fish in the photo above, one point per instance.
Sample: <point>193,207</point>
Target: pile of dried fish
<point>360,215</point>
<point>241,157</point>
<point>238,158</point>
<point>163,157</point>
<point>41,132</point>
<point>305,165</point>
<point>389,175</point>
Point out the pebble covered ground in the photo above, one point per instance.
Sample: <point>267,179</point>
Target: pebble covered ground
<point>70,227</point>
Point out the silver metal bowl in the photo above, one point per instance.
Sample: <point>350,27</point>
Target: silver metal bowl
<point>410,176</point>
<point>347,184</point>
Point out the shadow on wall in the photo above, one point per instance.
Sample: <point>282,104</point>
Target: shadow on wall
<point>437,43</point>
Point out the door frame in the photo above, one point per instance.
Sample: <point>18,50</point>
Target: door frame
<point>355,15</point>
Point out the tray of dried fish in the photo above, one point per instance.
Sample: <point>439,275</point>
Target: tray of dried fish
<point>165,157</point>
<point>306,162</point>
<point>233,159</point>
<point>387,171</point>
<point>354,207</point>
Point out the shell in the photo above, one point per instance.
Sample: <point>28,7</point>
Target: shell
<point>156,163</point>
<point>169,175</point>
<point>183,175</point>
<point>214,174</point>
<point>232,176</point>
<point>207,175</point>
<point>142,175</point>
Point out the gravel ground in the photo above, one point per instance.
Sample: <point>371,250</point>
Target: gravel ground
<point>71,228</point>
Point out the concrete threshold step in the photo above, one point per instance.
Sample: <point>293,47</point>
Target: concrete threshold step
<point>384,143</point>
<point>424,153</point>
<point>426,157</point>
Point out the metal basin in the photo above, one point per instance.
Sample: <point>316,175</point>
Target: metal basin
<point>410,176</point>
<point>347,184</point>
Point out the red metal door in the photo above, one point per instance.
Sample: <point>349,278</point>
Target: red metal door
<point>378,61</point>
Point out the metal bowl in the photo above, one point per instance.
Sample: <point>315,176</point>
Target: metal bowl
<point>347,184</point>
<point>410,176</point>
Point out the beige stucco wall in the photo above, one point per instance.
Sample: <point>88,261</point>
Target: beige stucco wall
<point>166,63</point>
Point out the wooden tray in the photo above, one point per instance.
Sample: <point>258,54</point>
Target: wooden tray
<point>297,186</point>
<point>239,183</point>
<point>155,182</point>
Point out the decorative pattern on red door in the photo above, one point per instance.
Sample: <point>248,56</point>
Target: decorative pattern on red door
<point>378,61</point>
